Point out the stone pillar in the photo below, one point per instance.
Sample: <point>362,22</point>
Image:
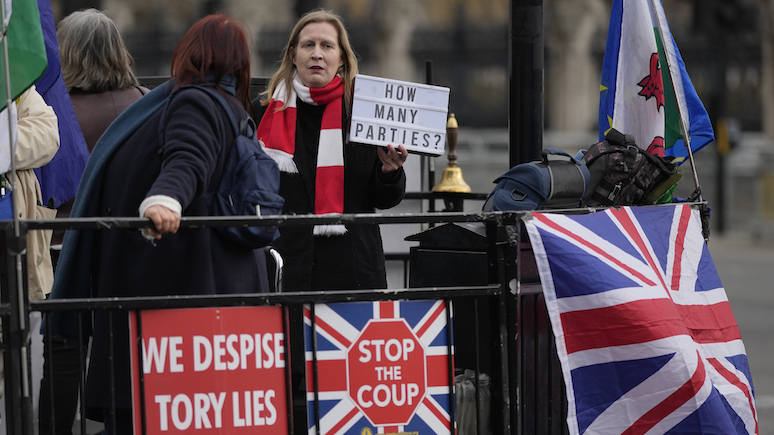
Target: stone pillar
<point>573,29</point>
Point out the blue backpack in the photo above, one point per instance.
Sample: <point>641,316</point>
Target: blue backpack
<point>542,184</point>
<point>250,182</point>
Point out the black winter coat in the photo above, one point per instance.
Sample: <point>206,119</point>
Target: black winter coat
<point>351,261</point>
<point>194,261</point>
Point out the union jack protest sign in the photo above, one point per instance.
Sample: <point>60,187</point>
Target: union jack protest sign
<point>382,367</point>
<point>644,330</point>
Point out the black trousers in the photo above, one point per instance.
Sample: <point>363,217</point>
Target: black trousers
<point>60,386</point>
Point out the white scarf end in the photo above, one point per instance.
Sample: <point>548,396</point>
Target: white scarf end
<point>329,230</point>
<point>284,160</point>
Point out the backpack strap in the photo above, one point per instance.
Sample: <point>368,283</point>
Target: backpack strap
<point>615,137</point>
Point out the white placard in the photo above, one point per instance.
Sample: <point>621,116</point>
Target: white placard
<point>386,111</point>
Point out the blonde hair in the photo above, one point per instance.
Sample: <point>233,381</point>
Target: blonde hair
<point>287,69</point>
<point>92,53</point>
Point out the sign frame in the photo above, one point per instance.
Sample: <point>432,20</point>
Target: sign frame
<point>178,385</point>
<point>396,112</point>
<point>334,341</point>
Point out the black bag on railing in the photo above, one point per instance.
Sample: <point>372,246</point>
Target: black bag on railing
<point>542,184</point>
<point>622,173</point>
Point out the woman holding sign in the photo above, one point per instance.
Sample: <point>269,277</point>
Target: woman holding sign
<point>303,117</point>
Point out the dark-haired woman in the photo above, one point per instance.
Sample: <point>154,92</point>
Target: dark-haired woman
<point>131,173</point>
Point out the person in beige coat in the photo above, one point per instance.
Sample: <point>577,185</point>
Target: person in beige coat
<point>37,143</point>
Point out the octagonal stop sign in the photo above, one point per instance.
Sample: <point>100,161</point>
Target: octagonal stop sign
<point>386,372</point>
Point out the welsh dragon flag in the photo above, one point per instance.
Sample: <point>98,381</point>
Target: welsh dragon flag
<point>642,95</point>
<point>27,61</point>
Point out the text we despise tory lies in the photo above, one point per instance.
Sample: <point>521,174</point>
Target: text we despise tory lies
<point>212,368</point>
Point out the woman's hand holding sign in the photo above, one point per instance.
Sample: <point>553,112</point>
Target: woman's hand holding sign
<point>391,158</point>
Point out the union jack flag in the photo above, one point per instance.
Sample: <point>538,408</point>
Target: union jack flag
<point>339,329</point>
<point>644,331</point>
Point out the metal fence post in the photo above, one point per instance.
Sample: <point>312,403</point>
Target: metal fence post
<point>502,270</point>
<point>16,333</point>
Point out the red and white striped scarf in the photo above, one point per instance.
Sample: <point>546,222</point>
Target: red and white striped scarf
<point>277,131</point>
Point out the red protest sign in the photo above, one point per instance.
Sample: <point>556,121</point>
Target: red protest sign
<point>209,370</point>
<point>386,372</point>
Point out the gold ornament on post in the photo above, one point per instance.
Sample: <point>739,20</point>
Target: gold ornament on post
<point>452,181</point>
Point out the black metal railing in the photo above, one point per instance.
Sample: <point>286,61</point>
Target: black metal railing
<point>527,395</point>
